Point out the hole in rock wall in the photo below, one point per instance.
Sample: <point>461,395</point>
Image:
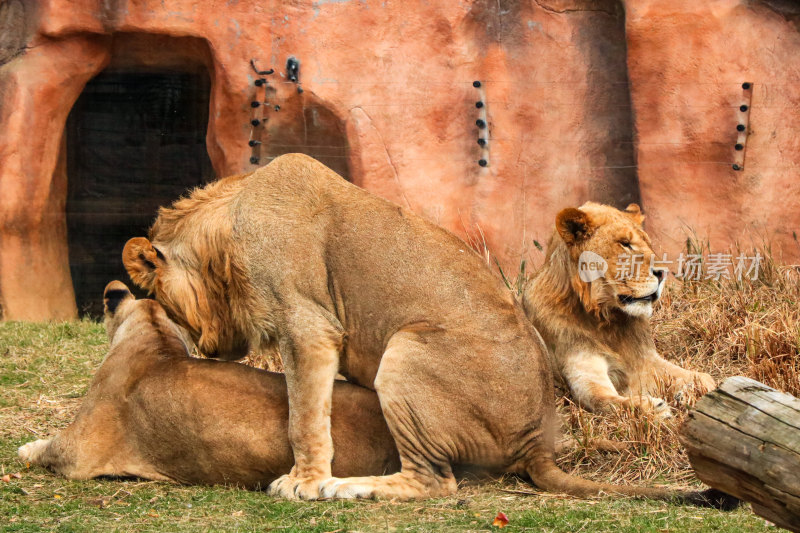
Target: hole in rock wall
<point>306,125</point>
<point>136,140</point>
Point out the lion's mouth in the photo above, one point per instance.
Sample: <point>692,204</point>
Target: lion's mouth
<point>627,300</point>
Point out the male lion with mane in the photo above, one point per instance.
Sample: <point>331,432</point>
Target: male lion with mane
<point>342,281</point>
<point>598,330</point>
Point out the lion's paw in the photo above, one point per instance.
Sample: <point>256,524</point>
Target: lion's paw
<point>295,488</point>
<point>700,384</point>
<point>31,452</point>
<point>704,382</point>
<point>345,488</point>
<point>657,406</point>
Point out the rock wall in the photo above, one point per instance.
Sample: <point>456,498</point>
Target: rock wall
<point>687,64</point>
<point>584,99</point>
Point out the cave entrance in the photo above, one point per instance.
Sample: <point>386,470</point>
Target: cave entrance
<point>136,140</point>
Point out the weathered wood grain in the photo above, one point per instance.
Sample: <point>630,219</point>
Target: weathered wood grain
<point>744,439</point>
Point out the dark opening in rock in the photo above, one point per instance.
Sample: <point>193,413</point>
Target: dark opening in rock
<point>135,141</point>
<point>306,125</point>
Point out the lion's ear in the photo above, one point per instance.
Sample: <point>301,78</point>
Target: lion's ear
<point>636,213</point>
<point>574,225</point>
<point>141,260</point>
<point>115,293</point>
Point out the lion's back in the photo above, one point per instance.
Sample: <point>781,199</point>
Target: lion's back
<point>296,179</point>
<point>296,211</point>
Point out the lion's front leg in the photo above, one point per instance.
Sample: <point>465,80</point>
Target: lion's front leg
<point>311,359</point>
<point>590,384</point>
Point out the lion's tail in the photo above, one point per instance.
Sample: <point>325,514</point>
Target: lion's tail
<point>546,475</point>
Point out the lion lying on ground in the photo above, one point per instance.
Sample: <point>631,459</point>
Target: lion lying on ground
<point>156,413</point>
<point>597,325</point>
<point>341,280</point>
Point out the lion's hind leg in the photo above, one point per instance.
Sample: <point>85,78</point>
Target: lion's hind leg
<point>432,386</point>
<point>425,471</point>
<point>55,454</point>
<point>401,485</point>
<point>426,402</point>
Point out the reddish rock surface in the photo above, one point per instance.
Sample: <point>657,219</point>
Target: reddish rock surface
<point>388,101</point>
<point>687,63</point>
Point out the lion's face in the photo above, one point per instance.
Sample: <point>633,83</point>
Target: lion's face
<point>599,236</point>
<point>181,285</point>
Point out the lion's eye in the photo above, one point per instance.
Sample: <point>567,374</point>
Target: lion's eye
<point>626,244</point>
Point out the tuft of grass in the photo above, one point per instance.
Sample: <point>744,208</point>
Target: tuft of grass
<point>269,360</point>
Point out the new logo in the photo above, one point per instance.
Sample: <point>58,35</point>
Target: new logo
<point>591,266</point>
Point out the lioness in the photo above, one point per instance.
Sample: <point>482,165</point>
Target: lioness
<point>154,412</point>
<point>344,281</point>
<point>597,325</point>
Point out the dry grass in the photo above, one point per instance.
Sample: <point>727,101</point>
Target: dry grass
<point>731,327</point>
<point>269,360</point>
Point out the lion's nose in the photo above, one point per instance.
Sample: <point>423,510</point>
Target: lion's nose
<point>659,274</point>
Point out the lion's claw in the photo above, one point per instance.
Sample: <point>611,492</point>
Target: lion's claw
<point>295,488</point>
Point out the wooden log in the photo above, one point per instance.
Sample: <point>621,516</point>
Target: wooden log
<point>744,439</point>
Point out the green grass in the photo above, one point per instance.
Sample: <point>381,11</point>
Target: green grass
<point>46,368</point>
